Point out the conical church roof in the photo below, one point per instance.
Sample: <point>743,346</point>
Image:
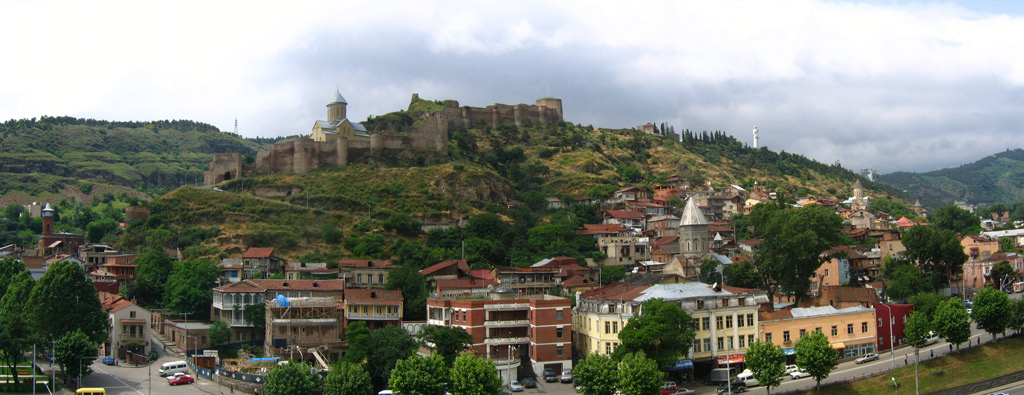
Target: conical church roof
<point>858,185</point>
<point>338,98</point>
<point>692,214</point>
<point>917,203</point>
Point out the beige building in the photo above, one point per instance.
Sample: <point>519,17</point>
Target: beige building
<point>129,326</point>
<point>337,126</point>
<point>362,273</point>
<point>376,307</point>
<point>850,330</point>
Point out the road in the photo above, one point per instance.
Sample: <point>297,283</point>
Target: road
<point>129,380</point>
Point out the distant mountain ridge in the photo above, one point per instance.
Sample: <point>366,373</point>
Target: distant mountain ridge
<point>997,178</point>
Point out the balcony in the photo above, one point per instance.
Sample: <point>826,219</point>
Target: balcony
<point>506,340</point>
<point>237,323</point>
<point>506,306</point>
<point>501,363</point>
<point>130,338</point>
<point>505,324</point>
<point>373,317</point>
<point>437,322</point>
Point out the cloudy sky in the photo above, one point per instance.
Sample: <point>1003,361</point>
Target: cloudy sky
<point>888,85</point>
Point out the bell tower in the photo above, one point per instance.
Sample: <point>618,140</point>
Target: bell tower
<point>47,216</point>
<point>336,108</point>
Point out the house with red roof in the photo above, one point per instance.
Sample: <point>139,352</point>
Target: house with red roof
<point>260,262</point>
<point>365,273</point>
<point>451,269</point>
<point>628,219</point>
<point>377,307</point>
<point>604,230</point>
<point>310,271</point>
<point>129,326</point>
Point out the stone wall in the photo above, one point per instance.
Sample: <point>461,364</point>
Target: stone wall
<point>544,111</point>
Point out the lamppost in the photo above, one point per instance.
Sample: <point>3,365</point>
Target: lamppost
<point>892,337</point>
<point>149,369</point>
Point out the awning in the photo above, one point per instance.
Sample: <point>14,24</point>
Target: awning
<point>56,243</point>
<point>679,365</point>
<point>789,351</point>
<point>729,359</point>
<point>838,345</point>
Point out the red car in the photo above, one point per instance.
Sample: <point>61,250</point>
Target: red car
<point>668,388</point>
<point>180,378</point>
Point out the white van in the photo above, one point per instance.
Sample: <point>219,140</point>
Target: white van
<point>171,368</point>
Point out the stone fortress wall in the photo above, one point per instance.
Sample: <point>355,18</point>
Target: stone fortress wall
<point>304,154</point>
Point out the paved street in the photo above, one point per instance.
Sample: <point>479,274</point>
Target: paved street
<point>124,379</point>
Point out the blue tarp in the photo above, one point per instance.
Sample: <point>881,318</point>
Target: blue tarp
<point>262,359</point>
<point>282,301</point>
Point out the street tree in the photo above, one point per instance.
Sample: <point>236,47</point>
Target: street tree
<point>792,246</point>
<point>448,341</point>
<point>927,303</point>
<point>358,336</point>
<point>1003,276</point>
<point>903,279</point>
<point>937,252</point>
<point>290,379</point>
<point>596,374</point>
<point>992,311</point>
<point>153,267</point>
<point>72,352</point>
<point>8,268</point>
<point>768,363</point>
<point>189,287</point>
<point>954,219</point>
<point>662,330</point>
<point>951,321</point>
<point>917,330</point>
<point>1017,316</point>
<point>418,375</point>
<point>219,333</point>
<point>64,300</point>
<point>639,375</point>
<point>472,375</point>
<point>14,329</point>
<point>814,354</point>
<point>389,345</point>
<point>346,378</point>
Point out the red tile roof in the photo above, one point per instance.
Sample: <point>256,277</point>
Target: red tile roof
<point>615,291</point>
<point>576,281</point>
<point>483,274</point>
<point>465,283</point>
<point>622,214</point>
<point>241,286</point>
<point>379,263</point>
<point>373,296</point>
<point>302,285</point>
<point>112,302</point>
<point>461,264</point>
<point>664,240</point>
<point>599,229</point>
<point>258,252</point>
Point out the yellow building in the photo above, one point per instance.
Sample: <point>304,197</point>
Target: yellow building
<point>851,330</point>
<point>726,319</point>
<point>338,126</point>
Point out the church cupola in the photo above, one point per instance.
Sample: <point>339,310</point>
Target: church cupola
<point>47,216</point>
<point>336,108</point>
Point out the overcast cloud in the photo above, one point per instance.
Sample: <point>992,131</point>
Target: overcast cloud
<point>878,84</point>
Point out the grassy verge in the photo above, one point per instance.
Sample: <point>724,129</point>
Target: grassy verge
<point>960,368</point>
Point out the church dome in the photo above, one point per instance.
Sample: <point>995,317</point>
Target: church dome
<point>338,98</point>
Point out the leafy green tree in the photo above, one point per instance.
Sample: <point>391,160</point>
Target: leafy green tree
<point>448,341</point>
<point>358,337</point>
<point>13,211</point>
<point>346,378</point>
<point>709,273</point>
<point>64,300</point>
<point>73,348</point>
<point>97,231</point>
<point>14,330</point>
<point>487,226</point>
<point>1017,316</point>
<point>768,363</point>
<point>639,375</point>
<point>937,252</point>
<point>1007,244</point>
<point>219,333</point>
<point>256,315</point>
<point>927,303</point>
<point>472,375</point>
<point>414,290</point>
<point>612,274</point>
<point>596,374</point>
<point>417,375</point>
<point>916,331</point>
<point>662,331</point>
<point>951,321</point>
<point>290,379</point>
<point>189,287</point>
<point>814,354</point>
<point>903,280</point>
<point>388,344</point>
<point>9,267</point>
<point>891,207</point>
<point>153,268</point>
<point>743,275</point>
<point>1003,276</point>
<point>992,311</point>
<point>792,242</point>
<point>954,219</point>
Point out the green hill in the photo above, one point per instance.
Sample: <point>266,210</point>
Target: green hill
<point>997,178</point>
<point>44,157</point>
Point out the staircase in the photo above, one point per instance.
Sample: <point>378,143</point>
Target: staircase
<point>319,356</point>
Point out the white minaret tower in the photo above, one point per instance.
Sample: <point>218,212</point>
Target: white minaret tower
<point>755,137</point>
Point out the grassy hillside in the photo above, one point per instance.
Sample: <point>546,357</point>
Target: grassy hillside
<point>997,178</point>
<point>46,156</point>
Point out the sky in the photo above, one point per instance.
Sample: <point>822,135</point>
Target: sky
<point>887,85</point>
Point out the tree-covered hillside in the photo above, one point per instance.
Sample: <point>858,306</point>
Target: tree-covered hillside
<point>997,178</point>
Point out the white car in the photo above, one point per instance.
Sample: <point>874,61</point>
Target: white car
<point>515,387</point>
<point>751,382</point>
<point>745,374</point>
<point>799,374</point>
<point>790,369</point>
<point>867,358</point>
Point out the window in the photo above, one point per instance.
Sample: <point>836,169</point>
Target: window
<point>559,351</point>
<point>615,327</point>
<point>803,332</point>
<point>750,319</point>
<point>378,310</point>
<point>728,321</point>
<point>359,278</point>
<point>707,344</point>
<point>707,323</point>
<point>849,329</point>
<point>768,337</point>
<point>558,315</point>
<point>607,327</point>
<point>750,339</point>
<point>608,348</point>
<point>879,322</point>
<point>742,341</point>
<point>380,279</point>
<point>718,322</point>
<point>730,342</point>
<point>696,345</point>
<point>558,333</point>
<point>785,336</point>
<point>463,315</point>
<point>826,272</point>
<point>864,327</point>
<point>835,330</point>
<point>700,304</point>
<point>721,343</point>
<point>131,314</point>
<point>817,329</point>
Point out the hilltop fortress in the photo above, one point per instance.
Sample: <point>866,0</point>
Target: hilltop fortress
<point>337,141</point>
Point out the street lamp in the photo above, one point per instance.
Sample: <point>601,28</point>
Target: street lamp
<point>149,369</point>
<point>892,338</point>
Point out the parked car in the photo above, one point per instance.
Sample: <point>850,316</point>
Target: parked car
<point>684,391</point>
<point>109,360</point>
<point>867,358</point>
<point>790,369</point>
<point>580,388</point>
<point>529,382</point>
<point>668,387</point>
<point>751,382</point>
<point>566,376</point>
<point>180,378</point>
<point>736,387</point>
<point>799,374</point>
<point>745,374</point>
<point>515,387</point>
<point>550,376</point>
<point>932,338</point>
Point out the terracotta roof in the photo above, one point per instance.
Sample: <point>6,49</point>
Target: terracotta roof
<point>575,281</point>
<point>112,302</point>
<point>752,242</point>
<point>622,214</point>
<point>302,285</point>
<point>118,265</point>
<point>241,286</point>
<point>373,296</point>
<point>461,264</point>
<point>133,321</point>
<point>464,283</point>
<point>616,291</point>
<point>774,315</point>
<point>112,287</point>
<point>597,229</point>
<point>258,252</point>
<point>515,269</point>
<point>719,228</point>
<point>484,274</point>
<point>379,263</point>
<point>571,270</point>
